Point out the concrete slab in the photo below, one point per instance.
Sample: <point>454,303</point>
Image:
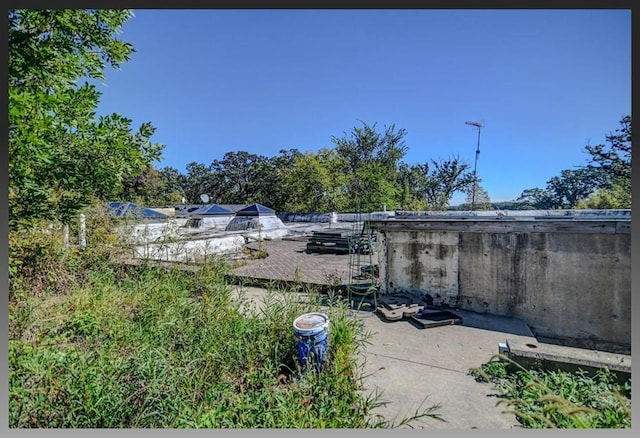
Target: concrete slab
<point>463,402</point>
<point>553,357</point>
<point>407,364</point>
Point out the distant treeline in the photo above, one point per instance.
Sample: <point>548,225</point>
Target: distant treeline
<point>364,171</point>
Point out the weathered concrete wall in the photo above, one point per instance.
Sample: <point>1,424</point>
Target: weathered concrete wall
<point>419,261</point>
<point>566,279</point>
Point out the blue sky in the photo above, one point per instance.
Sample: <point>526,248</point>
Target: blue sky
<point>544,82</point>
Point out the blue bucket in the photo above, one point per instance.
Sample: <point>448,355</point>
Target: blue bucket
<point>312,332</point>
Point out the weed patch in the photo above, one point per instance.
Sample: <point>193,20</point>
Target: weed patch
<point>559,399</point>
<point>162,348</point>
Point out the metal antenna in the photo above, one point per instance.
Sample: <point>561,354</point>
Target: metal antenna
<point>478,125</point>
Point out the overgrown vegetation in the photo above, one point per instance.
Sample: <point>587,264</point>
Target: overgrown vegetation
<point>543,399</point>
<point>97,344</point>
<point>61,155</point>
<point>148,349</point>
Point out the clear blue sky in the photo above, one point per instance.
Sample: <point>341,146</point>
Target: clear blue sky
<point>544,82</point>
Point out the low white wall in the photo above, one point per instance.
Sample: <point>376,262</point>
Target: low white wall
<point>190,251</point>
<point>149,231</point>
<point>194,248</point>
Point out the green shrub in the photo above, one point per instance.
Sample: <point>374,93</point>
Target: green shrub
<point>559,399</point>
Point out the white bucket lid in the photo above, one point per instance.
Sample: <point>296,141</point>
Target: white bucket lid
<point>310,322</point>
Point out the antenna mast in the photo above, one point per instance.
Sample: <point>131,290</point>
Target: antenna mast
<point>478,125</point>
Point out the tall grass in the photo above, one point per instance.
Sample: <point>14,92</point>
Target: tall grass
<point>113,346</point>
<point>543,399</point>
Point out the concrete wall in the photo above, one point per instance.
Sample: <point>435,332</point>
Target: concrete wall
<point>566,279</point>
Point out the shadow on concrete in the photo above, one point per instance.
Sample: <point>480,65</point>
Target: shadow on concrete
<point>503,324</point>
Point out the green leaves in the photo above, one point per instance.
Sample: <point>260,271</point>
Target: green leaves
<point>559,399</point>
<point>605,182</point>
<point>50,49</point>
<point>315,182</point>
<point>372,160</point>
<point>61,157</point>
<point>363,171</point>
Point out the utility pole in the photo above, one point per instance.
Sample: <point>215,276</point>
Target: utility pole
<point>478,125</point>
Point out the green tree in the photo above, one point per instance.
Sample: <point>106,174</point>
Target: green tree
<point>478,199</point>
<point>617,195</point>
<point>535,198</point>
<point>315,183</point>
<point>174,181</point>
<point>372,164</point>
<point>605,182</point>
<point>376,190</point>
<point>445,179</point>
<point>151,189</point>
<point>563,191</point>
<point>274,187</point>
<point>573,186</point>
<point>198,181</point>
<point>431,185</point>
<point>413,181</point>
<point>614,161</point>
<point>60,156</point>
<point>237,177</point>
<point>264,183</point>
<point>509,205</point>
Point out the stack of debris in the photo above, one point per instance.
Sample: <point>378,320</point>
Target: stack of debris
<point>397,307</point>
<point>340,241</point>
<point>330,241</point>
